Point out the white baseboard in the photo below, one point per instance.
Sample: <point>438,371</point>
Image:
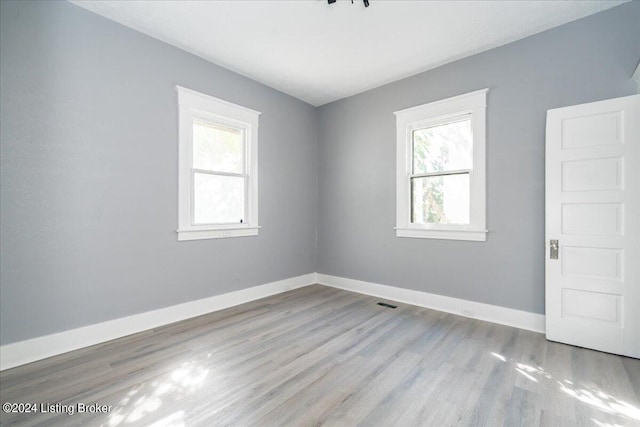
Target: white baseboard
<point>476,310</point>
<point>27,351</point>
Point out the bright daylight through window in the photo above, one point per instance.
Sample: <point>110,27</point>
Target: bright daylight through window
<point>218,186</point>
<point>441,169</point>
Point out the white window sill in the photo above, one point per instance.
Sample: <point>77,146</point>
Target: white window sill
<point>472,235</point>
<point>217,233</point>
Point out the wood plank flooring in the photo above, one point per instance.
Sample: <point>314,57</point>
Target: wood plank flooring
<point>323,356</point>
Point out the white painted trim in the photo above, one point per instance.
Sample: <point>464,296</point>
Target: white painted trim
<point>23,352</point>
<point>473,235</point>
<point>201,101</point>
<point>217,233</point>
<point>476,310</point>
<point>636,76</point>
<point>473,104</point>
<point>192,105</point>
<point>444,107</point>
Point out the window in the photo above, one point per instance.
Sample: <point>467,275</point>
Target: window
<point>441,169</point>
<point>218,170</point>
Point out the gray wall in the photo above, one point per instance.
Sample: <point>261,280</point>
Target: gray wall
<point>88,129</point>
<point>587,60</point>
<point>89,175</point>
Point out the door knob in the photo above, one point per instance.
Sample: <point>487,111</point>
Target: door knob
<point>553,252</point>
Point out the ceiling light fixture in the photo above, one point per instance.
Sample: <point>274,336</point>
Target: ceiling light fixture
<point>366,2</point>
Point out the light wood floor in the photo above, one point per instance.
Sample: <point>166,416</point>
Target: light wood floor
<point>322,356</point>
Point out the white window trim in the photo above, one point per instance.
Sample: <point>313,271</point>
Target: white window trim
<point>473,103</point>
<point>194,104</point>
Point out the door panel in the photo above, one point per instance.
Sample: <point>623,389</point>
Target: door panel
<point>592,263</point>
<point>592,174</point>
<point>604,219</point>
<point>592,209</point>
<point>591,305</point>
<point>593,130</point>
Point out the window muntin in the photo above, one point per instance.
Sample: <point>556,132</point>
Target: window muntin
<point>440,199</point>
<point>441,169</point>
<point>218,173</point>
<point>218,199</point>
<point>446,146</point>
<point>442,159</point>
<point>218,148</point>
<point>218,185</point>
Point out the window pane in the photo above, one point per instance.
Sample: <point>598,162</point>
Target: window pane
<point>218,199</point>
<point>443,148</point>
<point>440,199</point>
<point>217,148</point>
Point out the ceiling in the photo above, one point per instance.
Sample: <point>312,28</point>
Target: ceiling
<point>321,53</point>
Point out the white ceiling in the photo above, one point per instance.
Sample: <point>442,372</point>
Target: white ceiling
<point>320,53</point>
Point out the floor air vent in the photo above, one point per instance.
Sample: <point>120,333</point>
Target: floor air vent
<point>384,304</point>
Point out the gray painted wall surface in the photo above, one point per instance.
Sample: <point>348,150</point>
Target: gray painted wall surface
<point>88,129</point>
<point>89,175</point>
<point>587,60</point>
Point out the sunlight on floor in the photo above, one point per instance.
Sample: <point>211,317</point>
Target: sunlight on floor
<point>603,401</point>
<point>594,397</point>
<point>499,356</point>
<point>174,420</point>
<point>147,399</point>
<point>527,375</point>
<point>601,424</point>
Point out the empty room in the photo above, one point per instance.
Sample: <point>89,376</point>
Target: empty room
<point>320,212</point>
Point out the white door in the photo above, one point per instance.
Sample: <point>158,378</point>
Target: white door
<point>593,212</point>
